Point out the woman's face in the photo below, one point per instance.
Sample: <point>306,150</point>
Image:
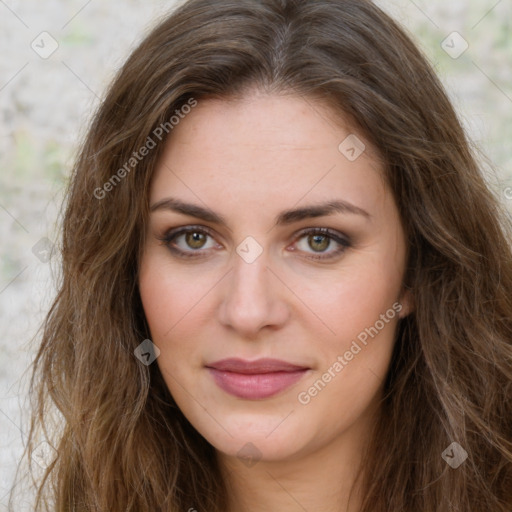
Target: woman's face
<point>244,272</point>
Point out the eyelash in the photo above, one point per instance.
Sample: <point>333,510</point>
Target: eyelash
<point>170,236</point>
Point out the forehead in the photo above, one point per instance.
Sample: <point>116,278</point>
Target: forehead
<point>278,123</point>
<point>263,149</point>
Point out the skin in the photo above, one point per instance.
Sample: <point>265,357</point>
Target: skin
<point>248,159</point>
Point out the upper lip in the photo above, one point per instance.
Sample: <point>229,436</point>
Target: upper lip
<point>264,365</point>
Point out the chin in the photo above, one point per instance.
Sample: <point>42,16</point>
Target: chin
<point>253,437</point>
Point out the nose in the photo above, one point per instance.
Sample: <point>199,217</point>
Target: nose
<point>253,298</point>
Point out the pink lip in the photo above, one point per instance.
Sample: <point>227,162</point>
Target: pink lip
<point>254,380</point>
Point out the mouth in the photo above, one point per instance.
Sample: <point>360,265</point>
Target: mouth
<point>255,380</point>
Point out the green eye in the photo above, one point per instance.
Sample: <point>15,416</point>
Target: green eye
<point>189,242</point>
<point>319,240</point>
<point>195,239</point>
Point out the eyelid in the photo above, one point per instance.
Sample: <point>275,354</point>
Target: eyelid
<point>336,235</point>
<point>343,241</point>
<point>173,233</point>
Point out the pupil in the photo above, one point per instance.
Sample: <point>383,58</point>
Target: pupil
<point>319,239</point>
<point>196,239</point>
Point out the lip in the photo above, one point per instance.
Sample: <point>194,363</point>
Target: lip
<point>253,380</point>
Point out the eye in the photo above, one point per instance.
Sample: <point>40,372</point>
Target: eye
<point>188,242</point>
<point>192,242</point>
<point>320,240</point>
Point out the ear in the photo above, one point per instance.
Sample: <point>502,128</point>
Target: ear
<point>406,299</point>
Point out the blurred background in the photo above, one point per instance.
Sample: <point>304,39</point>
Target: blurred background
<point>58,56</point>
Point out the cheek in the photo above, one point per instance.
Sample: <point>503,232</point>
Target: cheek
<point>165,304</point>
<point>353,300</point>
<point>156,295</point>
<point>171,298</point>
<point>361,309</point>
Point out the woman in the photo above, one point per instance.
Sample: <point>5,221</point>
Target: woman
<point>285,283</point>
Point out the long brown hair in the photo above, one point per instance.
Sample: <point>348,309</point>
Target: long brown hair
<point>122,444</point>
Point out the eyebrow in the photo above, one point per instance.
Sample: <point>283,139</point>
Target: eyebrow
<point>284,218</point>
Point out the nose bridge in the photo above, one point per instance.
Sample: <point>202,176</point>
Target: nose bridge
<point>251,273</point>
<point>249,286</point>
<point>250,300</point>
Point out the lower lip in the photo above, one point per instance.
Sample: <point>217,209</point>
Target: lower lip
<point>257,386</point>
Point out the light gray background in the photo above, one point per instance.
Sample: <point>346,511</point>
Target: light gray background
<point>46,103</point>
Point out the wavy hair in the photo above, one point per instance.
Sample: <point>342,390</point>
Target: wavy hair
<point>121,443</point>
